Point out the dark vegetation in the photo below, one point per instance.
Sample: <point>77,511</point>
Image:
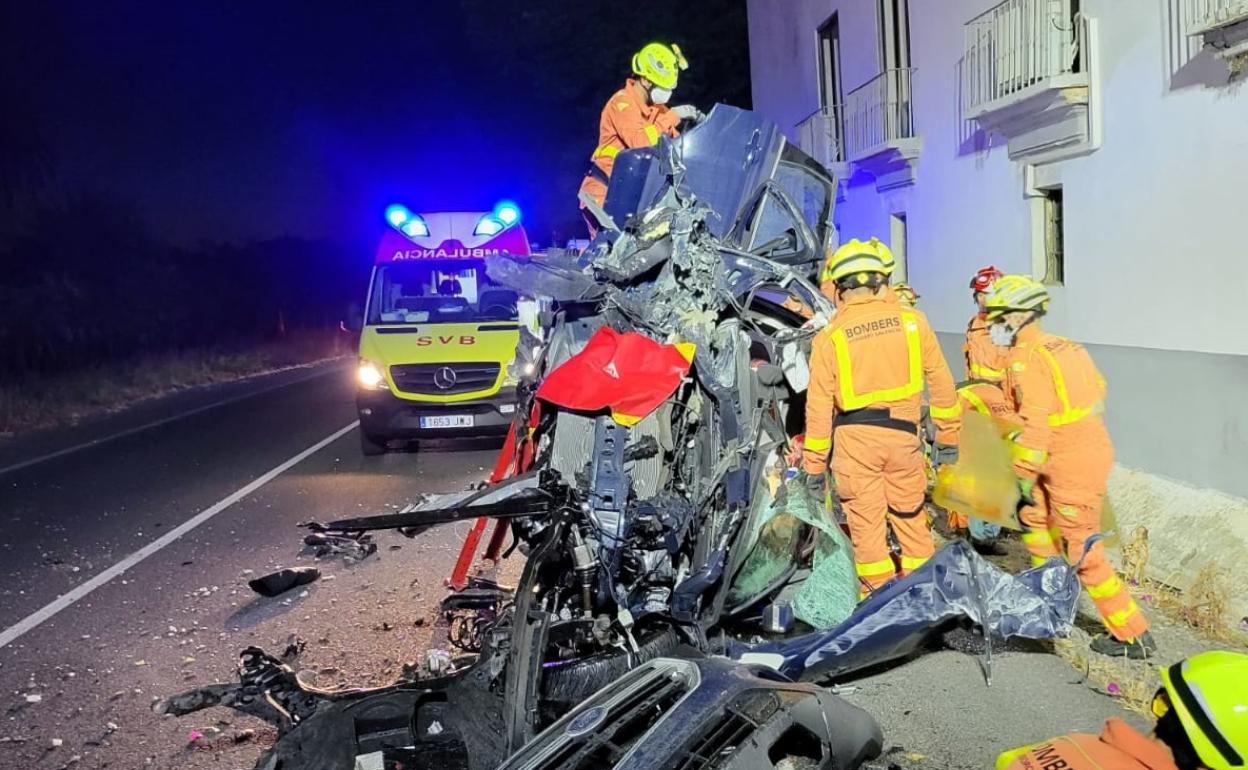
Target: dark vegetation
<point>85,285</point>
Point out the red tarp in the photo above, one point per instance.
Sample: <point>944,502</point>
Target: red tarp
<point>629,373</point>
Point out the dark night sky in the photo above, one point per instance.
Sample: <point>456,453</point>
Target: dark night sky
<point>240,120</point>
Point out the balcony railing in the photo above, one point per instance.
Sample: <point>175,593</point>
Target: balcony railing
<point>1222,27</point>
<point>879,113</point>
<point>1018,44</point>
<point>819,135</point>
<point>1206,13</point>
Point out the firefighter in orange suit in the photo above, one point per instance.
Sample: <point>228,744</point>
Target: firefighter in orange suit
<point>1063,449</point>
<point>636,116</point>
<point>867,371</point>
<point>1202,723</point>
<point>984,360</point>
<point>907,295</point>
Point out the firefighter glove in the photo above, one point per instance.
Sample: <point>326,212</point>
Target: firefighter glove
<point>945,454</point>
<point>1025,489</point>
<point>689,112</point>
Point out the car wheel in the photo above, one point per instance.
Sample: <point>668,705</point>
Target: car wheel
<point>371,446</point>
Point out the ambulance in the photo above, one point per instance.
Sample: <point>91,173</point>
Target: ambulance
<point>438,342</point>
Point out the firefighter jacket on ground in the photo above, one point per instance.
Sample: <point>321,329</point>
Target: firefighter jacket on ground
<point>1063,445</point>
<point>627,122</point>
<point>984,360</point>
<point>1118,747</point>
<point>868,368</point>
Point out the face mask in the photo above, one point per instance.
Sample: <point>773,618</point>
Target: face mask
<point>660,95</point>
<point>1002,335</point>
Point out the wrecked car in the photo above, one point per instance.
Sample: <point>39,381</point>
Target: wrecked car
<point>655,412</point>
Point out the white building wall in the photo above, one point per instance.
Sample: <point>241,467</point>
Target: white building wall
<point>1156,235</point>
<point>1163,196</point>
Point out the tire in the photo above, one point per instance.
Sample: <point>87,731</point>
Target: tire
<point>371,446</point>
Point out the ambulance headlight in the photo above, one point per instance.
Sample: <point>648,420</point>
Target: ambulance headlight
<point>369,376</point>
<point>488,225</point>
<point>517,371</point>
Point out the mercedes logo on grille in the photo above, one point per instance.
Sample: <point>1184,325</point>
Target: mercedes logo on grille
<point>445,378</point>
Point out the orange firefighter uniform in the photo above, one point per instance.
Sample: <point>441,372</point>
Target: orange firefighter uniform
<point>984,360</point>
<point>868,368</point>
<point>1118,747</point>
<point>1064,447</point>
<point>627,122</point>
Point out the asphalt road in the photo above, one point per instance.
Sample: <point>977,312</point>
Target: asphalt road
<point>76,689</point>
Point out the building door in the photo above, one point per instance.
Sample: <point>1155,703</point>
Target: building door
<point>894,34</point>
<point>831,98</point>
<point>894,90</point>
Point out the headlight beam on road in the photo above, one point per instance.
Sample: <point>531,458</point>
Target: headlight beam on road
<point>68,599</point>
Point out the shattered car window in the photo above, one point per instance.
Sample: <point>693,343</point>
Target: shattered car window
<point>808,191</point>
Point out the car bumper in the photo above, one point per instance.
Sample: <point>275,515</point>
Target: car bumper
<point>384,416</point>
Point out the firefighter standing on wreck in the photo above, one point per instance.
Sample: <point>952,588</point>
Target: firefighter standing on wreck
<point>636,116</point>
<point>867,372</point>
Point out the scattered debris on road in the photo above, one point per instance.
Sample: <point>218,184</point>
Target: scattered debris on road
<point>352,547</point>
<point>278,583</point>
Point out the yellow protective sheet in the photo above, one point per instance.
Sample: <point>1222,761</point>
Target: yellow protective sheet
<point>982,483</point>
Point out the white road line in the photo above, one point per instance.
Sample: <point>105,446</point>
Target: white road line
<point>64,601</point>
<point>158,423</point>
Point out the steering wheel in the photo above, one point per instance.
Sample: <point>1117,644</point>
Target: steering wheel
<point>500,309</point>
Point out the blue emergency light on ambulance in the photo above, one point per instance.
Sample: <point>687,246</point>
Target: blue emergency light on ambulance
<point>439,338</point>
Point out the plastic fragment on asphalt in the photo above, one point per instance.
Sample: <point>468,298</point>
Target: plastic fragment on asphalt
<point>277,583</point>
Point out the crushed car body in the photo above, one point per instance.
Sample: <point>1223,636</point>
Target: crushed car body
<point>637,508</point>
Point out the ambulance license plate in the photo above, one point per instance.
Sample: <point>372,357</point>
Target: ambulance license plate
<point>447,421</point>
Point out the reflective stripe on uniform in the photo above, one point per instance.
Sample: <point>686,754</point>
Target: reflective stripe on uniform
<point>818,444</point>
<point>1038,537</point>
<point>1033,456</point>
<point>946,412</point>
<point>1120,618</point>
<point>606,151</point>
<point>872,569</point>
<point>652,134</point>
<point>1068,414</point>
<point>975,401</point>
<point>911,563</point>
<point>1107,589</point>
<point>850,399</point>
<point>981,372</point>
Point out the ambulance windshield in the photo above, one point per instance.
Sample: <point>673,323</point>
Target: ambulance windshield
<point>432,291</point>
